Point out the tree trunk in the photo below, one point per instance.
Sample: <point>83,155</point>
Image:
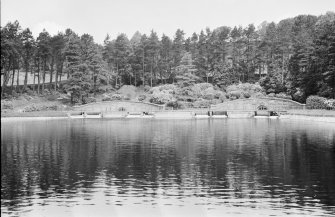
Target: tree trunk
<point>56,78</point>
<point>38,77</point>
<point>143,67</point>
<point>26,76</point>
<point>13,76</point>
<point>34,78</point>
<point>44,67</point>
<point>51,73</point>
<point>18,77</point>
<point>117,73</point>
<point>5,79</point>
<point>151,76</point>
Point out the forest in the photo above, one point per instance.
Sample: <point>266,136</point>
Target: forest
<point>294,57</point>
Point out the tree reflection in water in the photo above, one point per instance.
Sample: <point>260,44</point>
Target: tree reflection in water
<point>278,164</point>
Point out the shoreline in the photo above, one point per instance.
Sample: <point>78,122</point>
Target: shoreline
<point>167,116</point>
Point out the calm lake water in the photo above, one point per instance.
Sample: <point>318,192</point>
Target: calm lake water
<point>231,167</point>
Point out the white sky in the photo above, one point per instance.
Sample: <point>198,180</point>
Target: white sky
<point>99,17</point>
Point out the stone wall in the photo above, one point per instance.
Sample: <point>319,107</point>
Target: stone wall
<point>112,106</point>
<point>254,104</point>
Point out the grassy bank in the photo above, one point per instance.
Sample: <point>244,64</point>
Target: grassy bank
<point>312,112</point>
<point>35,114</point>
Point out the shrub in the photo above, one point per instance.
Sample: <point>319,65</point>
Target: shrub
<point>161,97</point>
<point>316,102</point>
<point>6,104</point>
<point>185,105</point>
<point>14,94</point>
<point>34,107</point>
<point>186,98</point>
<point>208,96</point>
<point>246,94</point>
<point>271,95</point>
<point>147,88</point>
<point>50,107</point>
<point>173,104</point>
<point>107,98</point>
<point>215,101</point>
<point>258,95</point>
<point>116,97</point>
<point>126,97</point>
<point>87,100</point>
<point>141,97</point>
<point>236,94</point>
<point>298,95</point>
<point>330,103</point>
<point>246,90</point>
<point>283,96</point>
<point>52,97</point>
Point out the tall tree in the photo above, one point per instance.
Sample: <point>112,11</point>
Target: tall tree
<point>44,49</point>
<point>28,51</point>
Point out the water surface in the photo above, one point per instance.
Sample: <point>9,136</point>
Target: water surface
<point>232,167</point>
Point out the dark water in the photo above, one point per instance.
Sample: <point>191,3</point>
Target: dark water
<point>232,167</point>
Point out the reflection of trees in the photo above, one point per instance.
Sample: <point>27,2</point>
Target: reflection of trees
<point>242,155</point>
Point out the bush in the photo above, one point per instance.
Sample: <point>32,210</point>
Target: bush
<point>330,103</point>
<point>52,97</point>
<point>161,97</point>
<point>87,100</point>
<point>298,95</point>
<point>246,90</point>
<point>116,97</point>
<point>34,107</point>
<point>107,98</point>
<point>215,101</point>
<point>147,88</point>
<point>316,102</point>
<point>173,104</point>
<point>283,96</point>
<point>6,104</point>
<point>246,94</point>
<point>141,98</point>
<point>233,95</point>
<point>50,107</point>
<point>186,98</point>
<point>126,98</point>
<point>258,95</point>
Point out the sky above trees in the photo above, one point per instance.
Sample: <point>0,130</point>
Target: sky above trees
<point>164,16</point>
